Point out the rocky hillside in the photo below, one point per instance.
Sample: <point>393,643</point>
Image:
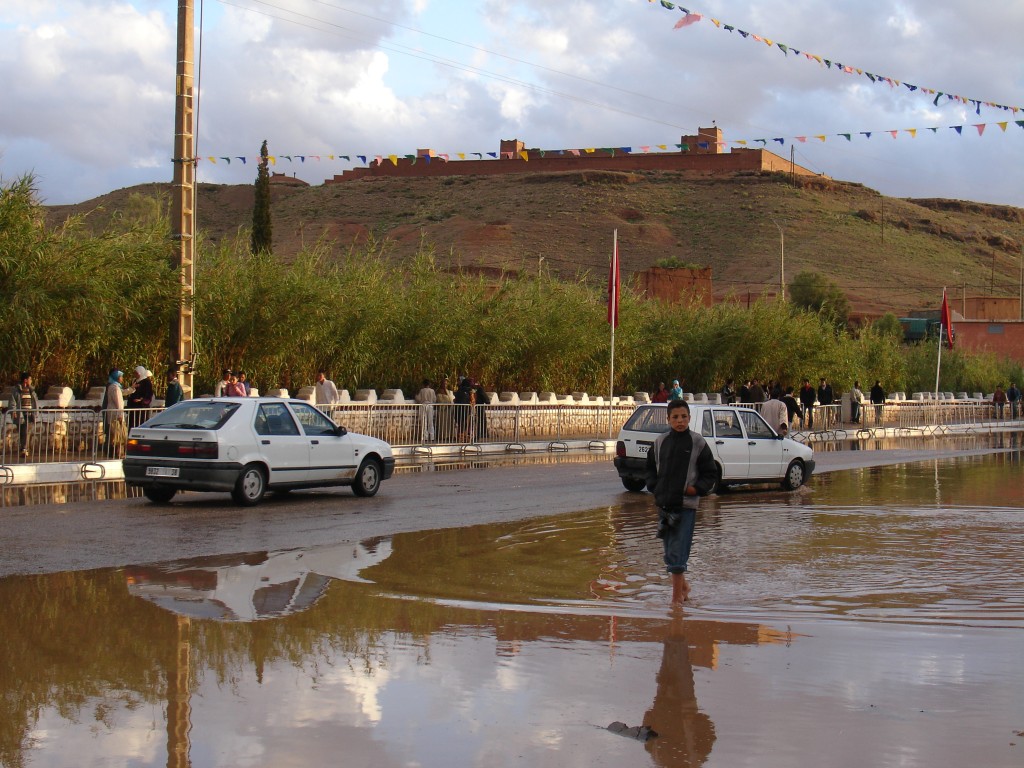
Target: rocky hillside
<point>886,253</point>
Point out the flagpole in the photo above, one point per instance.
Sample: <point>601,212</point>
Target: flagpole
<point>613,309</point>
<point>938,364</point>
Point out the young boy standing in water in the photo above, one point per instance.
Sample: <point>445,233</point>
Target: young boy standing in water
<point>680,469</point>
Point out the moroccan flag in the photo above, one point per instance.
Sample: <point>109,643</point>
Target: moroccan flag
<point>613,286</point>
<point>947,322</point>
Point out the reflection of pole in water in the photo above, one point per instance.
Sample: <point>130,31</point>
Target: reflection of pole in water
<point>685,734</point>
<point>179,707</point>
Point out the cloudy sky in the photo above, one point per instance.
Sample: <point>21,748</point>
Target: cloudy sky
<point>88,103</point>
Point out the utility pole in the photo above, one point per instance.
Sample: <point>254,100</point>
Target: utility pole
<point>183,192</point>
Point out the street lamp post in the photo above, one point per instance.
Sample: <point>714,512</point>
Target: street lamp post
<point>782,253</point>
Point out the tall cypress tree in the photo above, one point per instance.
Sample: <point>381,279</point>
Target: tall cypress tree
<point>262,231</point>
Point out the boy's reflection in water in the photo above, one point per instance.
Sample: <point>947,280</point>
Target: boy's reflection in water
<point>685,734</point>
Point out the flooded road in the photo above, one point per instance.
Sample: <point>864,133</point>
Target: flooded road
<point>873,618</point>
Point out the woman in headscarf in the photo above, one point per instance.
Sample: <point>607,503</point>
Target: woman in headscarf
<point>445,412</point>
<point>140,396</point>
<point>113,413</point>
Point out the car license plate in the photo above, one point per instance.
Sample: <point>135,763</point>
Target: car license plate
<point>161,471</point>
<point>643,446</point>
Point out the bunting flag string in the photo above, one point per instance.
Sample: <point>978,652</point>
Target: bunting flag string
<point>524,155</point>
<point>692,17</point>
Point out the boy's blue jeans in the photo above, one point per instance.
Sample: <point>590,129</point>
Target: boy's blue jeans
<point>677,524</point>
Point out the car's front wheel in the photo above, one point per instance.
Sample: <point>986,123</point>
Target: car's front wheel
<point>633,484</point>
<point>159,495</point>
<point>250,486</point>
<point>794,475</point>
<point>368,478</point>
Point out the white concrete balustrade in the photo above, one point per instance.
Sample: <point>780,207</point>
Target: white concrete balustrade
<point>68,429</point>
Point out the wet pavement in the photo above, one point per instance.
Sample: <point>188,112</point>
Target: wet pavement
<point>872,618</point>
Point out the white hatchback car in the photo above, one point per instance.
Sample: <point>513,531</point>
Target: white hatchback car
<point>248,446</point>
<point>745,448</point>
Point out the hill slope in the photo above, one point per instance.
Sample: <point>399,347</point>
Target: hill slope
<point>886,253</point>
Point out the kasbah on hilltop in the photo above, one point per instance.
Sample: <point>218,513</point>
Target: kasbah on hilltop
<point>992,323</point>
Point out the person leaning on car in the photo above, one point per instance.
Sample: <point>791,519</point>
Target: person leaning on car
<point>680,469</point>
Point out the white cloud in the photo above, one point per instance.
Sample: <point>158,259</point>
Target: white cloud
<point>89,105</point>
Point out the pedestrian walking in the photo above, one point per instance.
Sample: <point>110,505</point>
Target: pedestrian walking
<point>23,405</point>
<point>807,400</point>
<point>112,408</point>
<point>326,392</point>
<point>878,400</point>
<point>1013,396</point>
<point>680,469</point>
<point>856,399</point>
<point>140,396</point>
<point>999,401</point>
<point>175,394</point>
<point>426,397</point>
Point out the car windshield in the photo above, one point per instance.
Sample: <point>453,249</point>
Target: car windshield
<point>194,414</point>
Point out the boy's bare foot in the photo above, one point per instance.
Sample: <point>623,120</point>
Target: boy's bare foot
<point>680,588</point>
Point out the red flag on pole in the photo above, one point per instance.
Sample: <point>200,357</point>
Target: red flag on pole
<point>947,323</point>
<point>613,286</point>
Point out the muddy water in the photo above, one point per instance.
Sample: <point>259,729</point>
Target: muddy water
<point>873,619</point>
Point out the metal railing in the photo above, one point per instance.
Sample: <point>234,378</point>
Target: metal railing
<point>85,434</point>
<point>73,434</point>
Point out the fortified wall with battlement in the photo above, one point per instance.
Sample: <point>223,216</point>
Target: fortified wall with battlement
<point>703,153</point>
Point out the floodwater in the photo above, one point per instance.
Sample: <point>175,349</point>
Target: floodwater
<point>872,619</point>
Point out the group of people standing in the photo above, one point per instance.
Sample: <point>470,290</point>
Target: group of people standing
<point>122,406</point>
<point>877,396</point>
<point>800,404</point>
<point>465,422</point>
<point>232,384</point>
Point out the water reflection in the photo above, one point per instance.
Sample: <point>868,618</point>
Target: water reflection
<point>685,735</point>
<point>65,493</point>
<point>968,441</point>
<point>873,604</point>
<point>252,585</point>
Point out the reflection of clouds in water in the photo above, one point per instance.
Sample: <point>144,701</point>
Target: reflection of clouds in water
<point>508,678</point>
<point>365,690</point>
<point>125,738</point>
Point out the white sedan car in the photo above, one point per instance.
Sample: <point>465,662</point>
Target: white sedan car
<point>745,448</point>
<point>248,446</point>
